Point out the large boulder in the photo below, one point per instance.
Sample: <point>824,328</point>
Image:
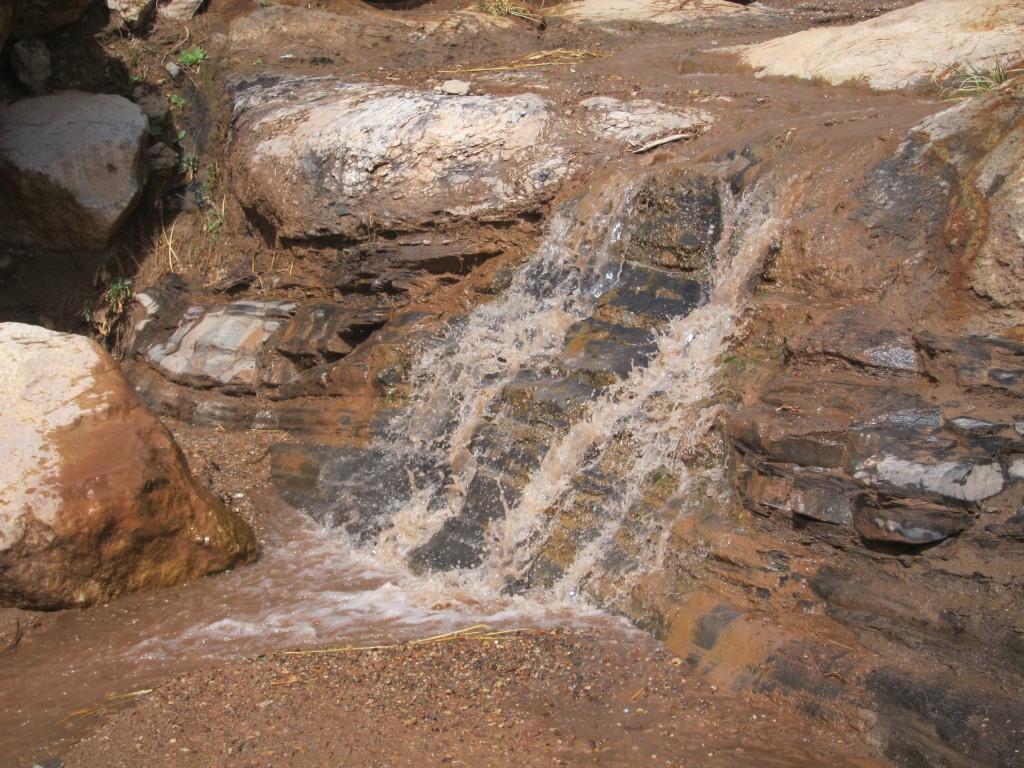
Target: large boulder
<point>95,496</point>
<point>72,166</point>
<point>317,157</point>
<point>905,48</point>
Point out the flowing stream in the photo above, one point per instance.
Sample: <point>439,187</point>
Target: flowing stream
<point>460,426</point>
<point>508,427</point>
<point>312,587</point>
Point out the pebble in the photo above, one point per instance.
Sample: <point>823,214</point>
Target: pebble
<point>455,87</point>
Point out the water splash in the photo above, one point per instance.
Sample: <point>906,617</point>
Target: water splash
<point>462,376</point>
<point>661,409</point>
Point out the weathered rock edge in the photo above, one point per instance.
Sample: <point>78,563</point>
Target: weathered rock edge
<point>97,499</point>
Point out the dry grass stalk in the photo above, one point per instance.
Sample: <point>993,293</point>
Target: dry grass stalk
<point>476,632</point>
<point>636,150</point>
<point>972,80</point>
<point>507,8</point>
<point>539,59</point>
<point>112,700</point>
<point>167,241</point>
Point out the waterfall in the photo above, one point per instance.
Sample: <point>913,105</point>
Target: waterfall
<point>461,469</point>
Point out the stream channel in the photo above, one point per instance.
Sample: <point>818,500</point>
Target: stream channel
<point>348,581</point>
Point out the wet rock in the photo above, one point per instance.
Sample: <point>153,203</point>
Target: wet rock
<point>641,120</point>
<point>1012,528</point>
<point>977,33</point>
<point>950,475</point>
<point>978,364</point>
<point>675,222</point>
<point>818,438</point>
<point>458,544</point>
<point>770,489</point>
<point>133,15</point>
<point>605,351</point>
<point>316,333</point>
<point>37,17</point>
<point>30,61</point>
<point>966,162</point>
<point>361,490</point>
<point>710,626</point>
<point>876,404</point>
<point>349,377</point>
<point>993,243</point>
<point>969,427</point>
<point>319,158</point>
<point>221,347</point>
<point>855,335</point>
<point>931,719</point>
<point>649,296</point>
<point>382,267</point>
<point>295,473</point>
<point>74,164</point>
<point>98,499</point>
<point>161,305</point>
<point>906,521</point>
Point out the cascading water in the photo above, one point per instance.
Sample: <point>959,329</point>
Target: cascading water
<point>471,485</point>
<point>510,430</point>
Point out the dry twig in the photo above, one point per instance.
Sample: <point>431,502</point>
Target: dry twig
<point>539,59</point>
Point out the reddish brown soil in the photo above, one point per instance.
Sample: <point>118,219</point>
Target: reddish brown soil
<point>526,699</point>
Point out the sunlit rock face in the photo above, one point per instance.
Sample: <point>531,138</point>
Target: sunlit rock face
<point>72,166</point>
<point>321,158</point>
<point>96,497</point>
<point>904,48</point>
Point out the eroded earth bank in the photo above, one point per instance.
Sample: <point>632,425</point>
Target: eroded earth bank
<point>703,315</point>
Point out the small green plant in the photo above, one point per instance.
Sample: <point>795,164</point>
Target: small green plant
<point>214,225</point>
<point>156,126</point>
<point>209,181</point>
<point>264,3</point>
<point>180,137</point>
<point>189,165</point>
<point>118,294</point>
<point>177,102</point>
<point>971,80</point>
<point>193,57</point>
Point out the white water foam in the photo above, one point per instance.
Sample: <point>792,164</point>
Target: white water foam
<point>666,406</point>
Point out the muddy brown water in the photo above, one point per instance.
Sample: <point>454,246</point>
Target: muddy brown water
<point>309,588</point>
